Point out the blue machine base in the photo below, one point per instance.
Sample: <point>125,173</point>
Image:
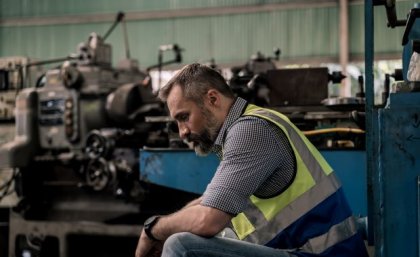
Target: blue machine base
<point>184,170</point>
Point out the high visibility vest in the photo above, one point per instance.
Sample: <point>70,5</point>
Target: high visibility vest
<point>311,215</point>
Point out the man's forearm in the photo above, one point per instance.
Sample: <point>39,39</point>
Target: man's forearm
<point>196,219</point>
<point>193,202</point>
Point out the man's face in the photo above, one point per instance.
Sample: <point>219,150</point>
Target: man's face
<point>197,125</point>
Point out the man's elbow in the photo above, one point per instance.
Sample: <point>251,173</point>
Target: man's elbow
<point>208,230</point>
<point>210,225</point>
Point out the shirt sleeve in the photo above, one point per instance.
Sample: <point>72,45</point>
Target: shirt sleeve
<point>250,156</point>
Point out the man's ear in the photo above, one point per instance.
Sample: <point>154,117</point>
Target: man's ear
<point>213,97</point>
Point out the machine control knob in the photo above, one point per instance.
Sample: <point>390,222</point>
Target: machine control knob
<point>100,174</point>
<point>71,76</point>
<point>99,144</point>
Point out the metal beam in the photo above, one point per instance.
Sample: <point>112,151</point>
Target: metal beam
<point>167,14</point>
<point>375,235</point>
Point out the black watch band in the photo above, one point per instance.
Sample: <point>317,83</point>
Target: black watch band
<point>148,225</point>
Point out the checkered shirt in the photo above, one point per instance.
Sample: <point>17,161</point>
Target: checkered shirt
<point>257,160</point>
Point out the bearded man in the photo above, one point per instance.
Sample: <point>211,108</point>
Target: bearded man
<point>273,194</point>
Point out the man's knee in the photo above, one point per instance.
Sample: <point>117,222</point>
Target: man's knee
<point>177,243</point>
<point>180,237</point>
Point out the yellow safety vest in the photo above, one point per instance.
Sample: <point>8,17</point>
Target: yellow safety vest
<point>314,182</point>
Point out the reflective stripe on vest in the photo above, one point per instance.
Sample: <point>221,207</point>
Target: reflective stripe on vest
<point>337,233</point>
<point>314,182</point>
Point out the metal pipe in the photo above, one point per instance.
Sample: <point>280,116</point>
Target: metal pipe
<point>127,47</point>
<point>345,90</point>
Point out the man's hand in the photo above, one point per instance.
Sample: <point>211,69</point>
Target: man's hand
<point>147,247</point>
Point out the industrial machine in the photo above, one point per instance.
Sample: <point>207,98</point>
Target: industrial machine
<point>15,74</point>
<point>303,94</point>
<point>393,144</point>
<point>250,80</point>
<point>12,78</point>
<point>75,155</point>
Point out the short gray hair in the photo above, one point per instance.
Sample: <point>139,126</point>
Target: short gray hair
<point>195,81</point>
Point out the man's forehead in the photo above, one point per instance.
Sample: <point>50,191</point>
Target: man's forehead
<point>175,93</point>
<point>175,97</point>
<point>176,101</point>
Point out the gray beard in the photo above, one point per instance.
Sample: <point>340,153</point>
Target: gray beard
<point>203,143</point>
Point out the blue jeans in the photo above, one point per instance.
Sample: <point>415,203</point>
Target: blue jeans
<point>189,245</point>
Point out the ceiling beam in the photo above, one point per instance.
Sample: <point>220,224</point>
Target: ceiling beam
<point>167,14</point>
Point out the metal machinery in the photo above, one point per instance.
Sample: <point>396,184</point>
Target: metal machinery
<point>13,78</point>
<point>15,74</point>
<point>393,143</point>
<point>76,157</point>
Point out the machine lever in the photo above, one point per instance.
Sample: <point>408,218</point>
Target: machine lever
<point>391,13</point>
<point>118,19</point>
<point>412,16</point>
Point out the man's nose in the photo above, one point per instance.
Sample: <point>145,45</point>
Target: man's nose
<point>183,131</point>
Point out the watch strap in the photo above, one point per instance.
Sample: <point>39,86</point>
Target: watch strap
<point>148,228</point>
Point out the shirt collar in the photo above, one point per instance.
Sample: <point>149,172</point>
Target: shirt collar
<point>236,111</point>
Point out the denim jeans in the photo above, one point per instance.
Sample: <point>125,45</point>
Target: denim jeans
<point>189,245</point>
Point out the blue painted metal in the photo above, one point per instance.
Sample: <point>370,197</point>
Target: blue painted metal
<point>185,171</point>
<point>350,167</point>
<point>418,212</point>
<point>373,194</point>
<point>178,169</point>
<point>393,144</point>
<point>399,168</point>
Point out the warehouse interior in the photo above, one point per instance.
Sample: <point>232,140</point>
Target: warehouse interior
<point>88,152</point>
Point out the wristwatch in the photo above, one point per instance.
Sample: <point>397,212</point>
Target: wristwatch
<point>148,225</point>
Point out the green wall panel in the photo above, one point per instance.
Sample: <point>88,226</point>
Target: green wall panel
<point>387,40</point>
<point>300,33</point>
<point>34,8</point>
<point>45,42</point>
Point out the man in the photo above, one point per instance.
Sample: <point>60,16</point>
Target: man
<point>272,188</point>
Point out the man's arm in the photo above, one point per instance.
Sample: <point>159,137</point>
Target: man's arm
<point>193,202</point>
<point>198,219</point>
<point>194,217</point>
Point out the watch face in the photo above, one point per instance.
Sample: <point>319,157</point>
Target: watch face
<point>149,220</point>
